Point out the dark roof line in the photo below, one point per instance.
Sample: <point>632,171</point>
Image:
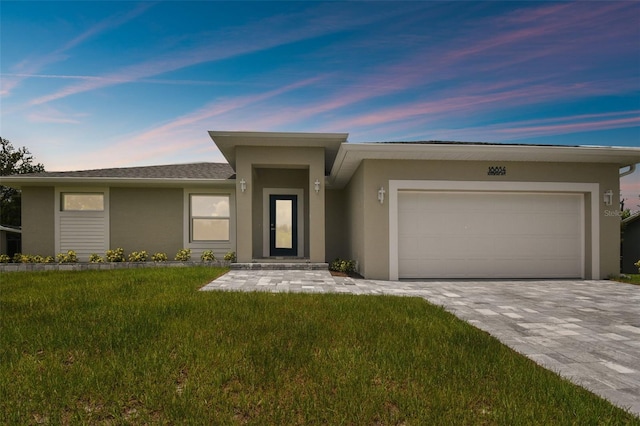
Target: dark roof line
<point>471,143</point>
<point>170,171</point>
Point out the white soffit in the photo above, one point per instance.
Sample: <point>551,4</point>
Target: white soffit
<point>351,155</point>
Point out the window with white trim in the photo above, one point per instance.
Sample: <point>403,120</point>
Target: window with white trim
<point>81,201</point>
<point>209,217</point>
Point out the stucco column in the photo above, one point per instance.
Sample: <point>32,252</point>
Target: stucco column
<point>244,207</point>
<point>316,211</point>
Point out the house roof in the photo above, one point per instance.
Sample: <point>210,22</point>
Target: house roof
<point>634,217</point>
<point>228,141</point>
<point>10,229</point>
<point>351,155</point>
<point>341,159</point>
<point>166,174</point>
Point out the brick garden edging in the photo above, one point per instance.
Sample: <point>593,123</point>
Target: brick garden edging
<point>82,266</point>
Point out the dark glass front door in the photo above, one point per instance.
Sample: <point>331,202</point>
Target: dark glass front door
<point>283,220</point>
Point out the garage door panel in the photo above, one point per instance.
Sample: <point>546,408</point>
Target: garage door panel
<point>489,235</point>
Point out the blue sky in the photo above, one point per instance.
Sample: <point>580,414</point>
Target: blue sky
<point>113,84</point>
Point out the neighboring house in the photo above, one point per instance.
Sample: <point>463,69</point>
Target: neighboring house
<point>401,210</point>
<point>631,243</point>
<point>9,240</point>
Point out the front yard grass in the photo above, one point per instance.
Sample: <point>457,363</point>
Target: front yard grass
<point>629,278</point>
<point>143,346</point>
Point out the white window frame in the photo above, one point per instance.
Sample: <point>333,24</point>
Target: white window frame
<point>218,246</point>
<point>63,193</point>
<point>193,218</point>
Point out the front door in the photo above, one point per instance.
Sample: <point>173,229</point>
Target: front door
<point>283,219</point>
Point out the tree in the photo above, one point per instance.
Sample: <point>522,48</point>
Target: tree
<point>12,162</point>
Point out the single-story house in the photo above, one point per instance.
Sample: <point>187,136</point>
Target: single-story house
<point>400,210</point>
<point>631,243</point>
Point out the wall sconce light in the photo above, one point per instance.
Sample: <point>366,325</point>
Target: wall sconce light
<point>608,197</point>
<point>316,186</point>
<point>243,185</point>
<point>381,195</point>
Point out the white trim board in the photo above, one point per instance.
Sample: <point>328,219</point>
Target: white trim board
<point>549,187</point>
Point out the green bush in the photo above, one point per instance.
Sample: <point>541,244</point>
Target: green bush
<point>25,258</point>
<point>230,256</point>
<point>95,258</point>
<point>116,255</point>
<point>208,256</point>
<point>183,255</point>
<point>638,265</point>
<point>159,257</point>
<point>48,259</point>
<point>68,257</point>
<point>344,266</point>
<point>4,258</point>
<point>138,256</point>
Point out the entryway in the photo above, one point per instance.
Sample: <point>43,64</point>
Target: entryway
<point>283,225</point>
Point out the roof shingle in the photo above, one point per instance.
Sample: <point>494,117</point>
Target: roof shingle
<point>215,171</point>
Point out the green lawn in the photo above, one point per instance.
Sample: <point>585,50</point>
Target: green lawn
<point>632,279</point>
<point>143,346</point>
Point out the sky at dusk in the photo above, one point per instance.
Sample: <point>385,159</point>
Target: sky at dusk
<point>113,84</point>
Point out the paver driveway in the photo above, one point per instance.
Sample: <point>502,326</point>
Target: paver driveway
<point>587,331</point>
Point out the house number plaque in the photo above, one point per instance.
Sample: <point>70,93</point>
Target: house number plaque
<point>497,171</point>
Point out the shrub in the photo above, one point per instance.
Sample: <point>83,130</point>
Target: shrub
<point>24,258</point>
<point>208,256</point>
<point>183,255</point>
<point>68,257</point>
<point>116,255</point>
<point>4,258</point>
<point>638,265</point>
<point>48,259</point>
<point>17,258</point>
<point>95,258</point>
<point>344,266</point>
<point>138,256</point>
<point>159,257</point>
<point>230,256</point>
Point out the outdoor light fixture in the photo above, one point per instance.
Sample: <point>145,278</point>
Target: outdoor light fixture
<point>316,186</point>
<point>243,185</point>
<point>381,195</point>
<point>608,197</point>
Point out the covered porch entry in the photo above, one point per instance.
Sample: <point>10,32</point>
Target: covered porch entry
<point>280,192</point>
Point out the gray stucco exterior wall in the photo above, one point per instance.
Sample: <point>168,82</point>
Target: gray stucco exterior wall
<point>369,220</point>
<point>148,219</point>
<point>38,221</point>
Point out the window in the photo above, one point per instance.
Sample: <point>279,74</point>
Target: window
<point>82,201</point>
<point>209,217</point>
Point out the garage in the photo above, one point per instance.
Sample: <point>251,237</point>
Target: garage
<point>483,234</point>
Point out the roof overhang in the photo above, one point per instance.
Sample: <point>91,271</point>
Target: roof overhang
<point>350,155</point>
<point>228,141</point>
<point>19,181</point>
<point>11,230</point>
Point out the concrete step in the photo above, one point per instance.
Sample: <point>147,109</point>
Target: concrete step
<point>281,266</point>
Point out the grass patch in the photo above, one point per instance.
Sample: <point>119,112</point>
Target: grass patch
<point>143,346</point>
<point>629,278</point>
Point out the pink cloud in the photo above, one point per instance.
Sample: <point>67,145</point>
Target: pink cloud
<point>272,32</point>
<point>184,133</point>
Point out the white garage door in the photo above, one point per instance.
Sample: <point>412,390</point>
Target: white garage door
<point>490,235</point>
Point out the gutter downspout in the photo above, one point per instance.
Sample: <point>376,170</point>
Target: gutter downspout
<point>632,168</point>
